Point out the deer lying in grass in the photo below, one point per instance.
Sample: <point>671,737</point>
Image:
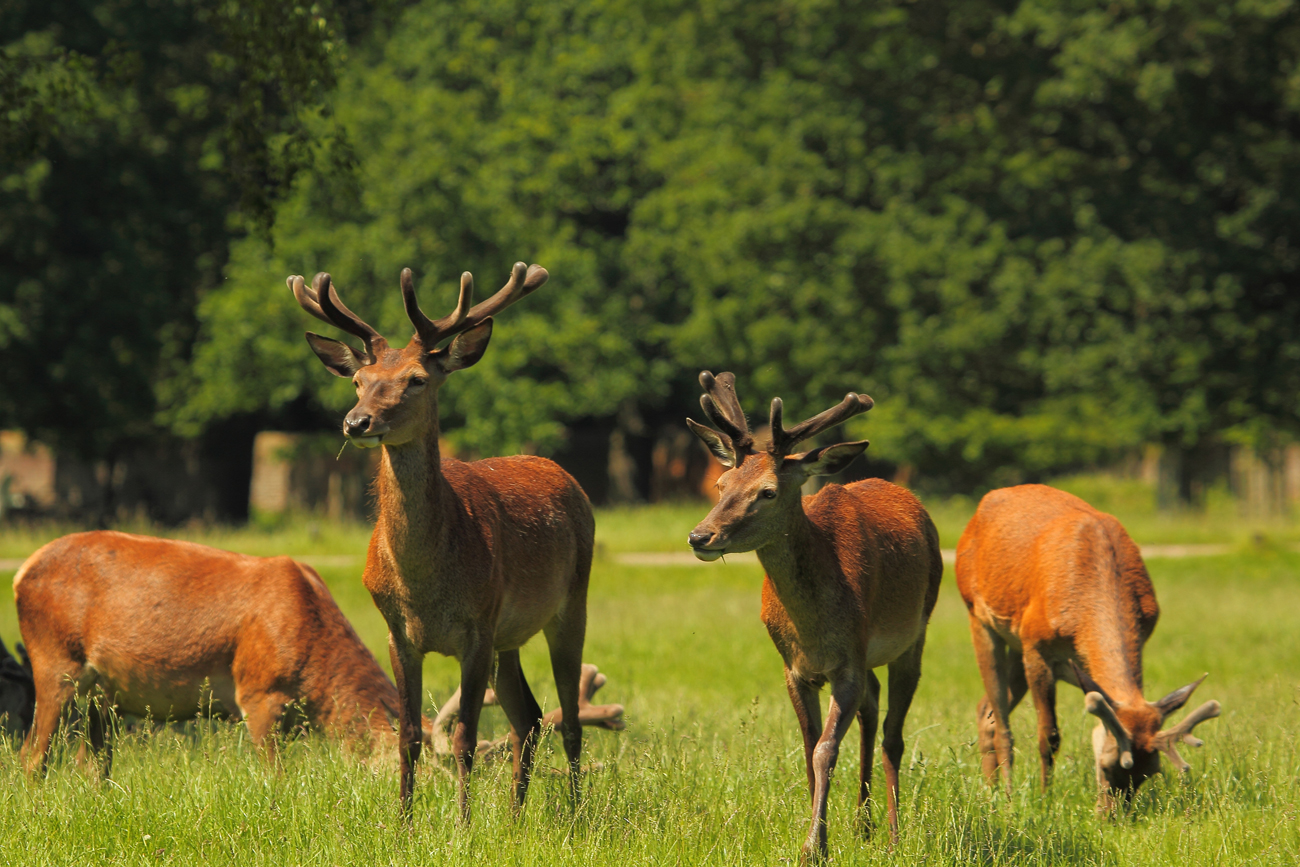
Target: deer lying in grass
<point>17,692</point>
<point>1056,590</point>
<point>140,625</point>
<point>852,577</point>
<point>467,559</point>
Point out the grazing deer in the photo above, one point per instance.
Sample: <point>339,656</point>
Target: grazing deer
<point>852,576</point>
<point>1056,590</point>
<point>467,559</point>
<point>17,692</point>
<point>140,625</point>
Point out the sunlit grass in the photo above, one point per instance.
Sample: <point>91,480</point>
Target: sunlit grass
<point>710,770</point>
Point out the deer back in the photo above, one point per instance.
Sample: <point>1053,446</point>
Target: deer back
<point>1039,564</point>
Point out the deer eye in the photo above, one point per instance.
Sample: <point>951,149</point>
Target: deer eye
<point>768,493</point>
<point>416,381</point>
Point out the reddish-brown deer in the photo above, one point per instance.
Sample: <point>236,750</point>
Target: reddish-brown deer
<point>1056,590</point>
<point>852,577</point>
<point>141,624</point>
<point>467,559</point>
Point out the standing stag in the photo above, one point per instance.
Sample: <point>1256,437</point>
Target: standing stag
<point>467,559</point>
<point>852,576</point>
<point>1056,590</point>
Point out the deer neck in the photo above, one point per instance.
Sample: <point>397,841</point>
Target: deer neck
<point>412,492</point>
<point>1113,652</point>
<point>794,560</point>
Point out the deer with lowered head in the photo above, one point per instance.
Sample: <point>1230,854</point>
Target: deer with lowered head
<point>1057,590</point>
<point>468,559</point>
<point>852,577</point>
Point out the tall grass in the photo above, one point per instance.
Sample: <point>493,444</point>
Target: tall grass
<point>710,769</point>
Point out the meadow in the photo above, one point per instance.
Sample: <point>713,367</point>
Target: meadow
<point>710,768</point>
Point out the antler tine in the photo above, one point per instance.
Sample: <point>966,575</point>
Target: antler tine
<point>431,332</point>
<point>783,440</point>
<point>722,407</point>
<point>1169,738</point>
<point>307,297</point>
<point>322,301</point>
<point>524,280</point>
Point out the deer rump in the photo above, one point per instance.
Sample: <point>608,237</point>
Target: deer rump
<point>169,630</point>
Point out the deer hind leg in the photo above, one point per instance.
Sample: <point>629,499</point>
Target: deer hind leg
<point>808,710</point>
<point>1041,683</point>
<point>995,708</point>
<point>55,688</point>
<point>904,675</point>
<point>525,717</point>
<point>99,735</point>
<point>565,636</point>
<point>868,719</point>
<point>263,712</point>
<point>846,695</point>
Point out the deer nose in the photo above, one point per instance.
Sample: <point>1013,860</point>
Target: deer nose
<point>697,539</point>
<point>353,425</point>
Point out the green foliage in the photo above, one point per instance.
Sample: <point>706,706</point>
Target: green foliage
<point>137,139</point>
<point>1037,235</point>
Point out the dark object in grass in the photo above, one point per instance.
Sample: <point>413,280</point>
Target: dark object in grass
<point>852,578</point>
<point>1057,590</point>
<point>17,692</point>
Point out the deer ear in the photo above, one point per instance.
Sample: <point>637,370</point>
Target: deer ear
<point>467,348</point>
<point>828,460</point>
<point>339,358</point>
<point>718,443</point>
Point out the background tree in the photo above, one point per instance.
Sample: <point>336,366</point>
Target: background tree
<point>1039,233</point>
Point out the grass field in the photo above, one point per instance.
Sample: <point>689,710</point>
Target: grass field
<point>710,768</point>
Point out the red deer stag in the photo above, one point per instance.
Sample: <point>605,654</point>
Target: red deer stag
<point>1056,590</point>
<point>852,576</point>
<point>467,559</point>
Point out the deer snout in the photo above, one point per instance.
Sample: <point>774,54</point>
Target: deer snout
<point>355,425</point>
<point>700,542</point>
<point>698,539</point>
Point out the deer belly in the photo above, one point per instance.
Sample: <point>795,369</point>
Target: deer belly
<point>885,646</point>
<point>171,695</point>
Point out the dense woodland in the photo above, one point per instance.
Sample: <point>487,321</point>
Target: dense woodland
<point>1040,234</point>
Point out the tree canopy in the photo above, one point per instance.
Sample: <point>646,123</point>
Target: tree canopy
<point>1037,233</point>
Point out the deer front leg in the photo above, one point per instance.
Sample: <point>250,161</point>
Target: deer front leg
<point>408,674</point>
<point>808,710</point>
<point>994,709</point>
<point>475,670</point>
<point>1042,686</point>
<point>846,695</point>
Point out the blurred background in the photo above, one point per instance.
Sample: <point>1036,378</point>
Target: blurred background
<point>1049,238</point>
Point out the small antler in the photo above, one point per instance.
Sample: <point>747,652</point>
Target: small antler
<point>1167,739</point>
<point>784,440</point>
<point>722,407</point>
<point>524,280</point>
<point>604,716</point>
<point>321,301</point>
